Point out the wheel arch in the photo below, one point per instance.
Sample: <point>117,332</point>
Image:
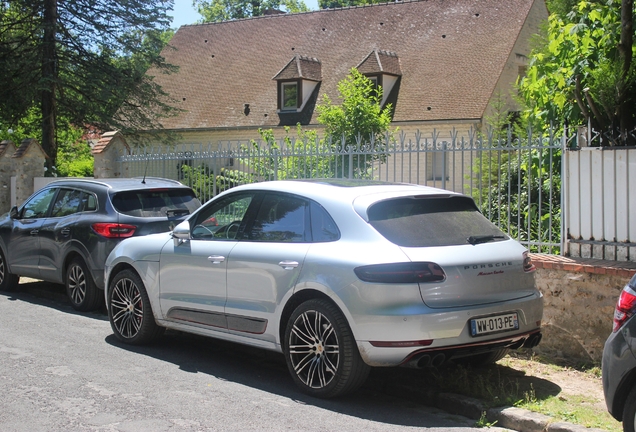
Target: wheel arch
<point>5,253</point>
<point>120,266</point>
<point>620,397</point>
<point>67,260</point>
<point>296,300</point>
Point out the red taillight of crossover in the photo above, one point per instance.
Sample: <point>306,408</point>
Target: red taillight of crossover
<point>624,307</point>
<point>413,272</point>
<point>114,230</point>
<point>528,266</point>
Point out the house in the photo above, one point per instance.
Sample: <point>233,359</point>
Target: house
<point>440,63</point>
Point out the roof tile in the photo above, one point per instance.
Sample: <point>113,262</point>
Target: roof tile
<point>450,54</point>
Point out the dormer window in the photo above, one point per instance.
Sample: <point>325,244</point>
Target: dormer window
<point>289,96</point>
<point>383,69</point>
<point>296,82</point>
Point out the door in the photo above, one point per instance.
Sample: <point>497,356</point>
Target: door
<point>24,241</point>
<point>193,273</point>
<point>266,263</point>
<point>56,233</point>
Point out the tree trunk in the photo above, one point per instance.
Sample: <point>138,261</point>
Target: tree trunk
<point>49,83</point>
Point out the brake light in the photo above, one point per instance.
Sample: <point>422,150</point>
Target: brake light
<point>412,272</point>
<point>114,230</point>
<point>528,265</point>
<point>624,307</point>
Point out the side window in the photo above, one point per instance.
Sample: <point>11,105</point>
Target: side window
<point>89,202</point>
<point>221,220</point>
<point>281,218</point>
<point>37,206</point>
<point>67,202</point>
<point>323,228</point>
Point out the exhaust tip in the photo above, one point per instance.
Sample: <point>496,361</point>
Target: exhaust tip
<point>533,340</point>
<point>438,360</point>
<point>424,362</point>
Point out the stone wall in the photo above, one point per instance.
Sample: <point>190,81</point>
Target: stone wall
<point>18,167</point>
<point>579,300</point>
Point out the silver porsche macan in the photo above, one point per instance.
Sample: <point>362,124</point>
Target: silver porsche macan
<point>340,276</point>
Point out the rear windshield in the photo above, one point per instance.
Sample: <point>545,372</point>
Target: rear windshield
<point>156,203</point>
<point>432,221</point>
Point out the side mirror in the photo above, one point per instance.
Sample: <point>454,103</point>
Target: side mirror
<point>13,213</point>
<point>181,233</point>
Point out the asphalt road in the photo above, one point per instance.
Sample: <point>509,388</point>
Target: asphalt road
<point>64,371</point>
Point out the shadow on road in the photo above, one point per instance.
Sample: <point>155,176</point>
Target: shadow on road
<point>48,295</point>
<point>267,371</point>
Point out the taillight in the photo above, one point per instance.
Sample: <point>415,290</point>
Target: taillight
<point>114,230</point>
<point>528,266</point>
<point>412,272</point>
<point>625,305</point>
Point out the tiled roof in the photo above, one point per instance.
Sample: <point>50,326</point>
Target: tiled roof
<point>380,62</point>
<point>300,67</point>
<point>25,145</point>
<point>6,145</point>
<point>450,54</point>
<point>105,140</point>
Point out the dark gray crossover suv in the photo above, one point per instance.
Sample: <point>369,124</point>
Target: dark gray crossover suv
<point>619,360</point>
<point>64,231</point>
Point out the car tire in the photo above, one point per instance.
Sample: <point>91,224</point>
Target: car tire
<point>129,310</point>
<point>484,359</point>
<point>629,412</point>
<point>80,287</point>
<point>8,281</point>
<point>321,353</point>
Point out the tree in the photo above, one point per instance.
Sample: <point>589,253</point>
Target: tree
<point>360,117</point>
<point>85,63</point>
<point>225,10</point>
<point>584,71</point>
<point>332,4</point>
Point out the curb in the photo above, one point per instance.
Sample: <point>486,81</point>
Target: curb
<point>512,418</point>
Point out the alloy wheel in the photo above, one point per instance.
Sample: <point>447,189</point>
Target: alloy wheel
<point>313,349</point>
<point>76,284</point>
<point>127,308</point>
<point>3,269</point>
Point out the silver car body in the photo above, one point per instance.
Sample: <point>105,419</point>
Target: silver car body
<point>239,290</point>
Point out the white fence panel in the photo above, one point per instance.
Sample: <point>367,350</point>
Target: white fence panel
<point>601,217</point>
<point>573,199</point>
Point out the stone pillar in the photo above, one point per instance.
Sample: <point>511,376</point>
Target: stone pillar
<point>28,162</point>
<point>7,150</point>
<point>108,149</point>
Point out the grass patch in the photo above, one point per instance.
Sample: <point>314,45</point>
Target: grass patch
<point>530,382</point>
<point>574,409</point>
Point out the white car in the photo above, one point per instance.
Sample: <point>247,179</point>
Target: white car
<point>339,275</point>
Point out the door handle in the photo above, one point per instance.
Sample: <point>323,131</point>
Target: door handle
<point>288,265</point>
<point>34,232</point>
<point>216,259</point>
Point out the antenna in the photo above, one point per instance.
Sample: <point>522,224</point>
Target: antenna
<point>143,181</point>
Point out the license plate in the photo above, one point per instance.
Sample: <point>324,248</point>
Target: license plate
<point>494,324</point>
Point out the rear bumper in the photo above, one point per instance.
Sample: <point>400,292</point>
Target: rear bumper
<point>396,340</point>
<point>435,356</point>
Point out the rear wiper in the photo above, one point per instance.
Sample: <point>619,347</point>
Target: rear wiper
<point>473,240</point>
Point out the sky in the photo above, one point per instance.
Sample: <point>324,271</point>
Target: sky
<point>185,13</point>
